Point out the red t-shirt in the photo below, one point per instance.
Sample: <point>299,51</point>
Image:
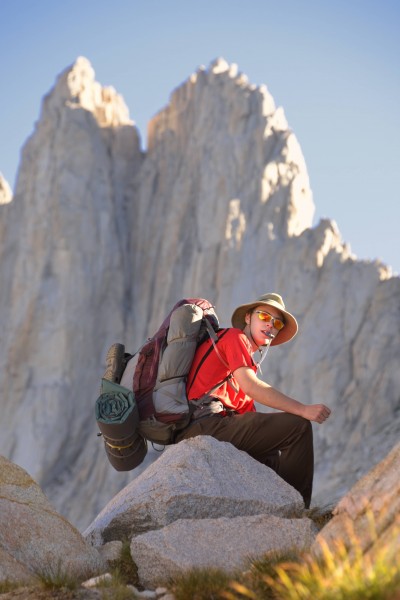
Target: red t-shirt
<point>236,351</point>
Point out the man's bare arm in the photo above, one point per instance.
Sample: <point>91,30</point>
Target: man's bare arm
<point>265,394</point>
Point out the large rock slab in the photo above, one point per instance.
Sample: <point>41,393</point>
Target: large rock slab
<point>34,538</point>
<point>196,479</point>
<point>225,543</point>
<point>369,513</point>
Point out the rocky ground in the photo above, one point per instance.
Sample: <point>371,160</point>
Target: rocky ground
<point>35,593</point>
<point>108,593</point>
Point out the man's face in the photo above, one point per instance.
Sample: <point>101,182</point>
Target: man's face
<point>263,328</point>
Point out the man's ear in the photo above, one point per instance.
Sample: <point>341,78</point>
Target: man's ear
<point>247,318</point>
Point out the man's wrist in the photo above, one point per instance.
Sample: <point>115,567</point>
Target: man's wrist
<point>302,410</point>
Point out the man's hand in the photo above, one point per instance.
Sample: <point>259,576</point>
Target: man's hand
<point>316,412</point>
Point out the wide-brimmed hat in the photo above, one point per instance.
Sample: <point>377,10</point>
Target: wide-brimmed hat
<point>270,299</point>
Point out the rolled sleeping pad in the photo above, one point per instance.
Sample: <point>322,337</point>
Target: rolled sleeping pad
<point>117,417</point>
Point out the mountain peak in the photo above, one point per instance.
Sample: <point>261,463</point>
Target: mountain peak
<point>77,87</point>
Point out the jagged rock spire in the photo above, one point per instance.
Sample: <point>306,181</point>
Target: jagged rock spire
<point>5,191</point>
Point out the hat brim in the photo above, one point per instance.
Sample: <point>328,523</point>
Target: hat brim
<point>284,335</point>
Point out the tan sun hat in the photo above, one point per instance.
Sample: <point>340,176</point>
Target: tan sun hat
<point>270,299</point>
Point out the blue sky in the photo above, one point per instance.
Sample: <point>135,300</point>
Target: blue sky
<point>332,66</point>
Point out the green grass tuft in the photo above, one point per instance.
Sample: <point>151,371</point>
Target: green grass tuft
<point>113,590</point>
<point>9,586</point>
<point>200,584</point>
<point>124,570</point>
<point>55,578</point>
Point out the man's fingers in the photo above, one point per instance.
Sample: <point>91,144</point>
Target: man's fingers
<point>323,414</point>
<point>317,412</point>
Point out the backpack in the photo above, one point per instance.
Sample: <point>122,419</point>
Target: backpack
<point>156,406</point>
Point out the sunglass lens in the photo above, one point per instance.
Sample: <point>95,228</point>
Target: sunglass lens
<point>277,323</point>
<point>265,317</point>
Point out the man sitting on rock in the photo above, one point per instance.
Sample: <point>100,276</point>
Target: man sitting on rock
<point>282,440</point>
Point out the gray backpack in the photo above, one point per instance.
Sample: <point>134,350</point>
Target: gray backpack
<point>153,405</point>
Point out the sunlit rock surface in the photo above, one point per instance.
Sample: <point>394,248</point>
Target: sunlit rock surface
<point>34,538</point>
<point>368,515</point>
<point>5,191</point>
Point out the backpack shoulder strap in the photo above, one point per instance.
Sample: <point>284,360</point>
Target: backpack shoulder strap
<point>214,339</point>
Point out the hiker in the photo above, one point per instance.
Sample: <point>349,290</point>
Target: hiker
<point>280,440</point>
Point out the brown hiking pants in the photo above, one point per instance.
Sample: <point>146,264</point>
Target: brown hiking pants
<point>281,441</point>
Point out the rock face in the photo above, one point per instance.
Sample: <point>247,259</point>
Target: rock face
<point>199,478</point>
<point>64,257</point>
<point>370,511</point>
<point>34,538</point>
<point>101,239</point>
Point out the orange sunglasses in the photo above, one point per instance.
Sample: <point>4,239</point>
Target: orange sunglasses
<point>276,322</point>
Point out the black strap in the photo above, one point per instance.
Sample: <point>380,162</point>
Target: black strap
<point>211,348</point>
